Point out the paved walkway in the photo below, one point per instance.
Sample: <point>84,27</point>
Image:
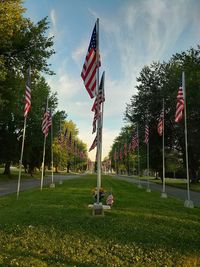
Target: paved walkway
<point>170,190</point>
<point>10,187</point>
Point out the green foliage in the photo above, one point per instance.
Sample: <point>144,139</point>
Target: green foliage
<point>158,81</point>
<point>55,228</point>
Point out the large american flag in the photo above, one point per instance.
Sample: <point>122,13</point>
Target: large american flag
<point>146,139</point>
<point>28,94</point>
<point>46,122</point>
<point>160,123</point>
<point>90,65</point>
<point>179,105</point>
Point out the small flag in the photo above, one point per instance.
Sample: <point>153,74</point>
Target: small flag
<point>120,154</point>
<point>125,149</point>
<point>46,123</point>
<point>179,105</point>
<point>90,66</point>
<point>135,141</point>
<point>60,137</point>
<point>160,123</point>
<point>65,135</point>
<point>28,94</point>
<point>110,199</point>
<point>70,140</point>
<point>146,139</point>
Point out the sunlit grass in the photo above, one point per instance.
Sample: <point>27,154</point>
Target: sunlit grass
<point>55,227</point>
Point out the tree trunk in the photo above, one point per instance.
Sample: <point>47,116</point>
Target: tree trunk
<point>7,168</point>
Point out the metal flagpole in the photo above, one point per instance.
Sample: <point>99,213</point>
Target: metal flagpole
<point>21,157</point>
<point>163,194</point>
<point>148,185</point>
<point>139,182</point>
<point>188,203</point>
<point>43,159</point>
<point>52,178</point>
<point>99,119</point>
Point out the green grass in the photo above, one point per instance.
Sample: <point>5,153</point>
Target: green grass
<point>55,227</point>
<point>180,183</point>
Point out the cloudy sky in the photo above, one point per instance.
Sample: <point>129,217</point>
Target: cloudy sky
<point>133,33</point>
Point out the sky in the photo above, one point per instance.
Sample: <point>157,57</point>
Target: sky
<point>132,34</point>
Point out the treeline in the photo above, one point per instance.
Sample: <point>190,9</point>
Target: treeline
<point>23,44</point>
<point>155,82</point>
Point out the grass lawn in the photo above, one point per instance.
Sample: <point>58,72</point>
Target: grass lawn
<point>55,228</point>
<point>181,183</point>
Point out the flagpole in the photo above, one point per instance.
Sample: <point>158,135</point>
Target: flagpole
<point>148,185</point>
<point>139,182</point>
<point>99,118</point>
<point>52,178</point>
<point>42,177</point>
<point>188,203</point>
<point>163,194</point>
<point>21,157</point>
<point>43,159</point>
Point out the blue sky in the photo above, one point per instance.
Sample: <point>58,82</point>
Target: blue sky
<point>133,33</point>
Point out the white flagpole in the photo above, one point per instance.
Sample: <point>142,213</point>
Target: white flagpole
<point>23,139</point>
<point>99,119</point>
<point>52,178</point>
<point>163,194</point>
<point>43,159</point>
<point>21,157</point>
<point>188,203</point>
<point>139,182</point>
<point>148,185</point>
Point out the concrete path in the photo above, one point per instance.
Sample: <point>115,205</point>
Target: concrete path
<point>171,191</point>
<point>10,187</point>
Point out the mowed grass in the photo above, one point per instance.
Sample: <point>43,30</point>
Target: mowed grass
<point>55,227</point>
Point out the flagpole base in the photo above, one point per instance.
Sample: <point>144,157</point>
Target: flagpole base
<point>60,182</point>
<point>189,204</point>
<point>98,209</point>
<point>139,186</point>
<point>163,195</point>
<point>52,185</point>
<point>148,190</point>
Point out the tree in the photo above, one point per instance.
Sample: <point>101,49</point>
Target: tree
<point>20,40</point>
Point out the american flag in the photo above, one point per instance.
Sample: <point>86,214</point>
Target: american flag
<point>90,66</point>
<point>110,199</point>
<point>46,122</point>
<point>160,123</point>
<point>65,135</point>
<point>28,94</point>
<point>101,94</point>
<point>179,105</point>
<point>120,154</point>
<point>115,155</point>
<point>135,140</point>
<point>70,140</point>
<point>60,137</point>
<point>146,139</point>
<point>125,149</point>
<point>94,144</point>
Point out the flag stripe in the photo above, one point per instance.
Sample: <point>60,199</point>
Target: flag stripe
<point>179,105</point>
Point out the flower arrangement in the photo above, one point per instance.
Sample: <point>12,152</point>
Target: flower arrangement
<point>101,193</point>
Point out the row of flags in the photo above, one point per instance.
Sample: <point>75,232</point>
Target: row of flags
<point>135,139</point>
<point>67,139</point>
